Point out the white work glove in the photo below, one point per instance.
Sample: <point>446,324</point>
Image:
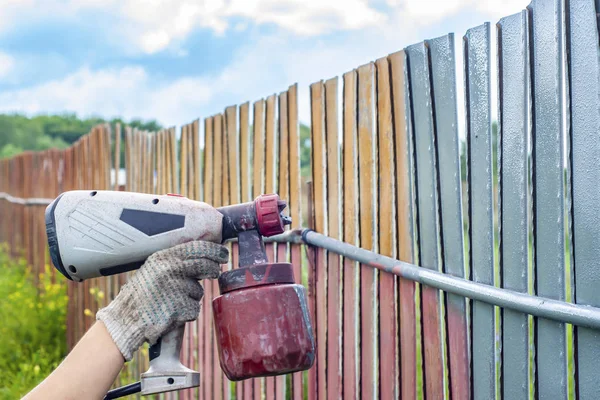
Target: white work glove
<point>162,295</point>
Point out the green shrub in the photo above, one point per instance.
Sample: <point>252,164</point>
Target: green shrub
<point>32,328</point>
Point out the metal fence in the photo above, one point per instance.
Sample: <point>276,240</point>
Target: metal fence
<point>515,208</point>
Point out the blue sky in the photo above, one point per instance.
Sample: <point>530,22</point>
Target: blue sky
<point>177,60</point>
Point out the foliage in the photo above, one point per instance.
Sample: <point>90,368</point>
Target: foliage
<point>19,133</point>
<point>33,326</point>
<point>305,151</point>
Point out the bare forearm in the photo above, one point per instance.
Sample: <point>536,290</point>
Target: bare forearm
<point>87,372</point>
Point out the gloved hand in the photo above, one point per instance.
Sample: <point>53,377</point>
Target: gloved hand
<point>162,295</point>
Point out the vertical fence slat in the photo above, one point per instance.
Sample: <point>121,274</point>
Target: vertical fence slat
<point>195,193</point>
<point>295,205</point>
<point>117,155</point>
<point>183,159</point>
<point>446,122</point>
<point>212,147</point>
<point>428,217</point>
<point>270,146</point>
<point>220,197</point>
<point>388,371</point>
<point>367,181</point>
<point>233,150</point>
<point>270,172</point>
<point>159,164</point>
<point>258,159</point>
<point>198,170</point>
<point>333,226</point>
<point>549,191</point>
<point>219,171</point>
<point>284,193</point>
<point>584,75</point>
<point>186,351</point>
<point>514,92</point>
<point>154,163</point>
<point>244,388</point>
<point>144,163</point>
<point>351,278</point>
<point>245,154</point>
<point>319,182</point>
<point>128,160</point>
<point>404,204</point>
<point>258,168</point>
<point>173,157</point>
<point>233,153</point>
<point>479,136</point>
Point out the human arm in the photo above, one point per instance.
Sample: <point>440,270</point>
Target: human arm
<point>87,372</point>
<point>162,295</point>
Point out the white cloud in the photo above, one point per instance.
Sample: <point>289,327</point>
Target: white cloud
<point>127,91</point>
<point>427,12</point>
<point>265,66</point>
<point>151,26</point>
<point>154,25</point>
<point>166,21</point>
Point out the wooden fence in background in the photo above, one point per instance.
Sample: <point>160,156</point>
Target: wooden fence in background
<point>526,217</point>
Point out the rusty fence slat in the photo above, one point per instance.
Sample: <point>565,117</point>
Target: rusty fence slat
<point>210,191</point>
<point>332,145</point>
<point>404,209</point>
<point>186,174</point>
<point>350,365</point>
<point>367,181</point>
<point>245,154</point>
<point>388,371</point>
<point>319,200</point>
<point>231,138</point>
<point>549,191</point>
<point>583,59</point>
<point>480,172</point>
<point>144,164</point>
<point>183,159</point>
<point>198,172</point>
<point>449,174</point>
<point>244,388</point>
<point>173,158</point>
<point>158,144</point>
<point>429,250</point>
<point>207,191</point>
<point>217,168</point>
<point>196,193</point>
<point>233,152</point>
<point>270,170</point>
<point>295,206</point>
<point>258,159</point>
<point>514,93</point>
<point>117,155</point>
<point>221,173</point>
<point>284,193</point>
<point>258,187</point>
<point>311,385</point>
<point>270,173</point>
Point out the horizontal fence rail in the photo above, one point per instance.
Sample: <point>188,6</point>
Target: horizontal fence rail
<point>450,251</point>
<point>580,315</point>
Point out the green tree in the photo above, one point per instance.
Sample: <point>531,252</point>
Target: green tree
<point>305,170</point>
<point>19,133</point>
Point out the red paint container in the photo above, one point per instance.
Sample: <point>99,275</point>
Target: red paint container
<point>262,324</point>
